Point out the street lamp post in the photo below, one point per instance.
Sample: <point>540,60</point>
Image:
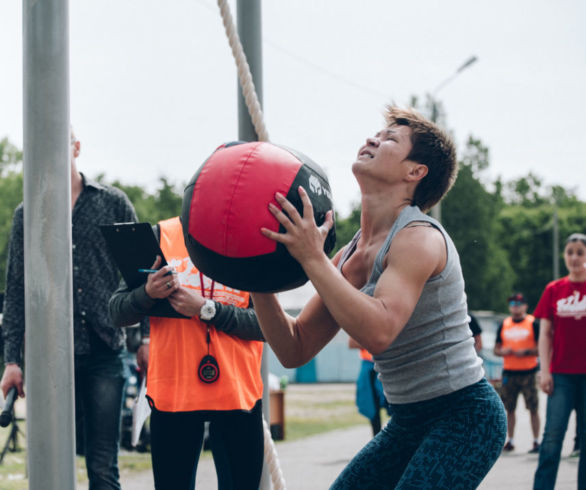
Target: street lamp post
<point>436,211</point>
<point>469,62</point>
<point>556,244</point>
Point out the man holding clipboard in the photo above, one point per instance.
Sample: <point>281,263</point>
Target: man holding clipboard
<point>204,365</point>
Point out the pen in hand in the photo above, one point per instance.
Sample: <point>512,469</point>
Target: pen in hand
<point>152,271</point>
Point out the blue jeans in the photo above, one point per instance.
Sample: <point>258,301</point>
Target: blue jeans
<point>569,392</point>
<point>99,387</point>
<point>449,442</point>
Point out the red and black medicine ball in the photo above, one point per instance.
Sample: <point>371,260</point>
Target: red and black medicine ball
<point>226,203</point>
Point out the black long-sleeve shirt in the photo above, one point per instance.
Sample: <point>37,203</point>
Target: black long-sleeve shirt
<point>129,306</point>
<point>95,274</point>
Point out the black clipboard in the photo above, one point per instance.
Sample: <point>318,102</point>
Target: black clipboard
<point>134,246</point>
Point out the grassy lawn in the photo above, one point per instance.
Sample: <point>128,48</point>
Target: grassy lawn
<point>310,409</point>
<point>13,476</point>
<point>13,467</point>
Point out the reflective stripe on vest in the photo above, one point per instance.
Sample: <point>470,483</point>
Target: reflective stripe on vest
<point>517,336</point>
<point>178,345</point>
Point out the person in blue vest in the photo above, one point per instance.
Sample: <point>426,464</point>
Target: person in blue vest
<point>370,397</point>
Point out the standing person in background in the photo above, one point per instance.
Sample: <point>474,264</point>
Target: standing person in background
<point>397,289</point>
<point>370,397</point>
<point>99,347</point>
<point>204,366</point>
<point>562,349</point>
<point>516,341</point>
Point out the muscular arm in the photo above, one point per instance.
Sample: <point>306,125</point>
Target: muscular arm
<point>416,254</point>
<point>295,341</point>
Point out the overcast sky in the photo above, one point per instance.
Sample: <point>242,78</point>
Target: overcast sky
<point>153,84</point>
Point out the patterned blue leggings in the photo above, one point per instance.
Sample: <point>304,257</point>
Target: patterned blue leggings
<point>449,442</point>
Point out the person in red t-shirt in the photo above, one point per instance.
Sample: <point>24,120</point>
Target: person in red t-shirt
<point>562,355</point>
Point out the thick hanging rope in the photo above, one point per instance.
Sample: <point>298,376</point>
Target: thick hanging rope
<point>244,75</point>
<point>272,459</point>
<point>256,115</point>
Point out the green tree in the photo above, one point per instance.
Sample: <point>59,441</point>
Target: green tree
<point>527,230</point>
<point>526,191</point>
<point>527,235</point>
<point>10,156</point>
<point>163,204</point>
<point>346,228</point>
<point>169,200</point>
<point>469,214</point>
<point>564,198</point>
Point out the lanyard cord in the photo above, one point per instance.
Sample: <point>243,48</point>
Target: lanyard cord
<point>203,293</point>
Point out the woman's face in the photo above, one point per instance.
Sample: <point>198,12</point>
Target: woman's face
<point>575,257</point>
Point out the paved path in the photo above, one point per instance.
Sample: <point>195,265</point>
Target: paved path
<point>314,462</point>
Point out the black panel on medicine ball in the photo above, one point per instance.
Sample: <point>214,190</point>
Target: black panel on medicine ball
<point>226,203</point>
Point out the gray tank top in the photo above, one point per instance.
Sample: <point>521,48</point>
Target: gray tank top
<point>434,353</point>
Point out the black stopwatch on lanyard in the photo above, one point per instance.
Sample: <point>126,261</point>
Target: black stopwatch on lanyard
<point>208,370</point>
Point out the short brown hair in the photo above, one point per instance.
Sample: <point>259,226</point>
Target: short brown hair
<point>433,148</point>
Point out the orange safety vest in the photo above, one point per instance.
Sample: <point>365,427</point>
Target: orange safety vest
<point>365,355</point>
<point>178,345</point>
<point>519,335</point>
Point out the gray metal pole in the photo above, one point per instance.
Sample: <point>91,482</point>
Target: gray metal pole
<point>47,246</point>
<point>249,22</point>
<point>556,245</point>
<point>249,31</point>
<point>436,210</point>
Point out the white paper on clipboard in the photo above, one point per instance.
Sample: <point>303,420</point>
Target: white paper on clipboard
<point>140,412</point>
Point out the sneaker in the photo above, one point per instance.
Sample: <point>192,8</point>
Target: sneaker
<point>535,449</point>
<point>508,446</point>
